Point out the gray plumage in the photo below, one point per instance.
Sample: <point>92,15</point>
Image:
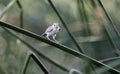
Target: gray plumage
<point>51,31</point>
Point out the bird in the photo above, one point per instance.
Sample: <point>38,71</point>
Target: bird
<point>51,31</point>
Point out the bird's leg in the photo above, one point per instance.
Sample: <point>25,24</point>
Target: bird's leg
<point>47,37</point>
<point>54,36</point>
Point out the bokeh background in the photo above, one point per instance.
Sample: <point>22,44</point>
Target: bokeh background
<point>85,19</point>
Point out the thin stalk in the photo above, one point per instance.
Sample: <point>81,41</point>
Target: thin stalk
<point>25,64</point>
<point>60,46</point>
<point>109,18</point>
<point>83,15</point>
<point>93,3</point>
<point>7,8</point>
<point>114,64</point>
<point>109,59</point>
<point>80,11</point>
<point>106,30</point>
<point>84,19</point>
<point>21,13</point>
<point>30,54</point>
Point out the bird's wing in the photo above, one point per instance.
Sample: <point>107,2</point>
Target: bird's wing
<point>49,29</point>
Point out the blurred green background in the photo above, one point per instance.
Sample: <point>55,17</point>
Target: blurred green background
<point>86,21</point>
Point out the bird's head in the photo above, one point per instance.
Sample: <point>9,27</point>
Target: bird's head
<point>56,25</point>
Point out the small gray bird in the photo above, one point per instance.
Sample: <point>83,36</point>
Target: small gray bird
<point>51,31</point>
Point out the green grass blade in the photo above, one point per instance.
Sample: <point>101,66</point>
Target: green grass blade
<point>102,70</point>
<point>21,13</point>
<point>107,30</point>
<point>84,19</point>
<point>30,55</point>
<point>109,18</point>
<point>110,59</point>
<point>25,64</point>
<point>7,8</point>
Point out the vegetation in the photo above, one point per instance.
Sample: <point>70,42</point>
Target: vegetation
<point>89,37</point>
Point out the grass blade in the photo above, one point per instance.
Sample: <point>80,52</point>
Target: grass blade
<point>107,30</point>
<point>30,54</point>
<point>21,13</point>
<point>7,8</point>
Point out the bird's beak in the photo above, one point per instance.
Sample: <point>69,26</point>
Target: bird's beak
<point>59,29</point>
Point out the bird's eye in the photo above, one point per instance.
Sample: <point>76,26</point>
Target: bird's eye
<point>56,27</point>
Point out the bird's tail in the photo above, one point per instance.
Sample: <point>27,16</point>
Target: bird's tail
<point>44,35</point>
